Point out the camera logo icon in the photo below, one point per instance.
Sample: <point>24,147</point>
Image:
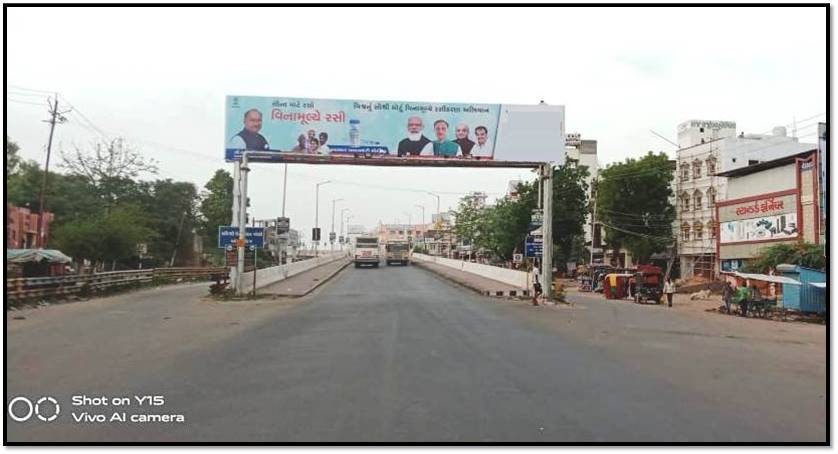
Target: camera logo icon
<point>21,409</point>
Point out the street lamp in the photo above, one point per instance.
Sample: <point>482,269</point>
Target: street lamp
<point>342,210</point>
<point>423,221</point>
<point>437,203</point>
<point>332,233</point>
<point>317,211</point>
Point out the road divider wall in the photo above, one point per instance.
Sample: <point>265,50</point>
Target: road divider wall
<point>518,279</point>
<point>267,276</point>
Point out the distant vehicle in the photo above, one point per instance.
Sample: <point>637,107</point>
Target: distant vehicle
<point>397,252</point>
<point>366,251</point>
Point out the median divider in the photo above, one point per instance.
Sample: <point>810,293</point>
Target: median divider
<point>268,276</point>
<point>485,279</point>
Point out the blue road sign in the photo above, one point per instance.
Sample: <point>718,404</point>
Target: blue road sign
<point>534,245</point>
<point>227,235</point>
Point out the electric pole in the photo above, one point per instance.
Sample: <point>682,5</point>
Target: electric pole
<point>55,117</point>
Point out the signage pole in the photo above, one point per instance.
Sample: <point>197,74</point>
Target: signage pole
<point>234,219</point>
<point>547,230</point>
<point>242,225</point>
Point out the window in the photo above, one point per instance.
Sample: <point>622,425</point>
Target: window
<point>685,202</point>
<point>711,165</point>
<point>752,162</point>
<point>700,129</point>
<point>697,205</point>
<point>696,169</point>
<point>711,228</point>
<point>685,231</point>
<point>685,172</point>
<point>698,230</point>
<point>711,198</point>
<point>702,140</point>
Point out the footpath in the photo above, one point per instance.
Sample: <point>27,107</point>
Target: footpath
<point>304,283</point>
<point>479,284</point>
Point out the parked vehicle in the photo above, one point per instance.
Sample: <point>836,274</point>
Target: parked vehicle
<point>647,284</point>
<point>366,251</point>
<point>397,252</point>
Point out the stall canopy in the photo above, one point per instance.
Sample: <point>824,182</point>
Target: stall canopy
<point>36,255</point>
<point>766,278</point>
<point>819,284</point>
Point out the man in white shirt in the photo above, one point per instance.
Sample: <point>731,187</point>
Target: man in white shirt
<point>483,148</point>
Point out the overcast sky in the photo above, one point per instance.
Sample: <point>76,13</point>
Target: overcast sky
<point>158,77</point>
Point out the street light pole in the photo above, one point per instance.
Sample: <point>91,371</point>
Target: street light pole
<point>437,203</point>
<point>332,232</point>
<point>317,211</point>
<point>342,210</point>
<point>423,221</point>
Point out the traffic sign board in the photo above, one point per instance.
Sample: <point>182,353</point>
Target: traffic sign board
<point>517,258</point>
<point>229,235</point>
<point>534,245</point>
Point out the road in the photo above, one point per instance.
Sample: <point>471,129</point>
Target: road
<point>398,354</point>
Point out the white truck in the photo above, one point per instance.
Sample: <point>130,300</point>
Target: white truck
<point>366,251</point>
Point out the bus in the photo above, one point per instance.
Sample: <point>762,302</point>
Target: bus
<point>366,251</point>
<point>397,252</point>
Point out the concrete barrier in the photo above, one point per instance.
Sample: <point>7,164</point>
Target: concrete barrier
<point>274,274</point>
<point>515,278</point>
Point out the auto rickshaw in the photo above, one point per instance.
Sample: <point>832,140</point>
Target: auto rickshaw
<point>647,284</point>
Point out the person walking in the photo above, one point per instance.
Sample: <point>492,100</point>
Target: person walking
<point>536,285</point>
<point>669,290</point>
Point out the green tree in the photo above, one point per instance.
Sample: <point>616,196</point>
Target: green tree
<point>633,204</point>
<point>216,205</point>
<point>505,225</point>
<point>470,219</point>
<point>109,238</point>
<point>12,156</point>
<point>570,207</point>
<point>808,255</point>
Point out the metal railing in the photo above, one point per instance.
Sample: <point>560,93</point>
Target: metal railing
<point>18,289</point>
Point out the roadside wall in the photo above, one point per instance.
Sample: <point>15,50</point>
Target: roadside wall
<point>274,274</point>
<point>519,279</point>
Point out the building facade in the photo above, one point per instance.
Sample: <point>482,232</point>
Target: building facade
<point>708,148</point>
<point>768,203</point>
<point>22,227</point>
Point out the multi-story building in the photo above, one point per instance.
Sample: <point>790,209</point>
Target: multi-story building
<point>585,153</point>
<point>22,227</point>
<point>772,202</point>
<point>708,148</point>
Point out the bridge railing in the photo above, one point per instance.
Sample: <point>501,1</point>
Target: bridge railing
<point>18,289</point>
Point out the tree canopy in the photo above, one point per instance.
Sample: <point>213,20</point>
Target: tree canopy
<point>634,206</point>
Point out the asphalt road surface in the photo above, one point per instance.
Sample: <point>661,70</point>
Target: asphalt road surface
<point>394,354</point>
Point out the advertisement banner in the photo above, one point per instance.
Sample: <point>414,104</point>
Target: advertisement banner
<point>330,129</point>
<point>783,226</point>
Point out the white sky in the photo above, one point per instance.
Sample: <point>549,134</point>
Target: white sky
<point>159,76</point>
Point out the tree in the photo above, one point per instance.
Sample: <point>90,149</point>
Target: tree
<point>216,205</point>
<point>570,207</point>
<point>110,237</point>
<point>469,219</point>
<point>110,167</point>
<point>808,255</point>
<point>12,156</point>
<point>506,225</point>
<point>633,204</point>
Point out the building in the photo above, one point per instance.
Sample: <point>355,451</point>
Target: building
<point>22,227</point>
<point>769,203</point>
<point>585,153</point>
<point>401,232</point>
<point>708,148</point>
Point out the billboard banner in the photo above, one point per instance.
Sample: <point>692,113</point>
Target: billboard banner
<point>327,129</point>
<point>782,226</point>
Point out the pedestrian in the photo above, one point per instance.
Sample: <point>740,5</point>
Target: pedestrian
<point>536,285</point>
<point>727,295</point>
<point>669,290</point>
